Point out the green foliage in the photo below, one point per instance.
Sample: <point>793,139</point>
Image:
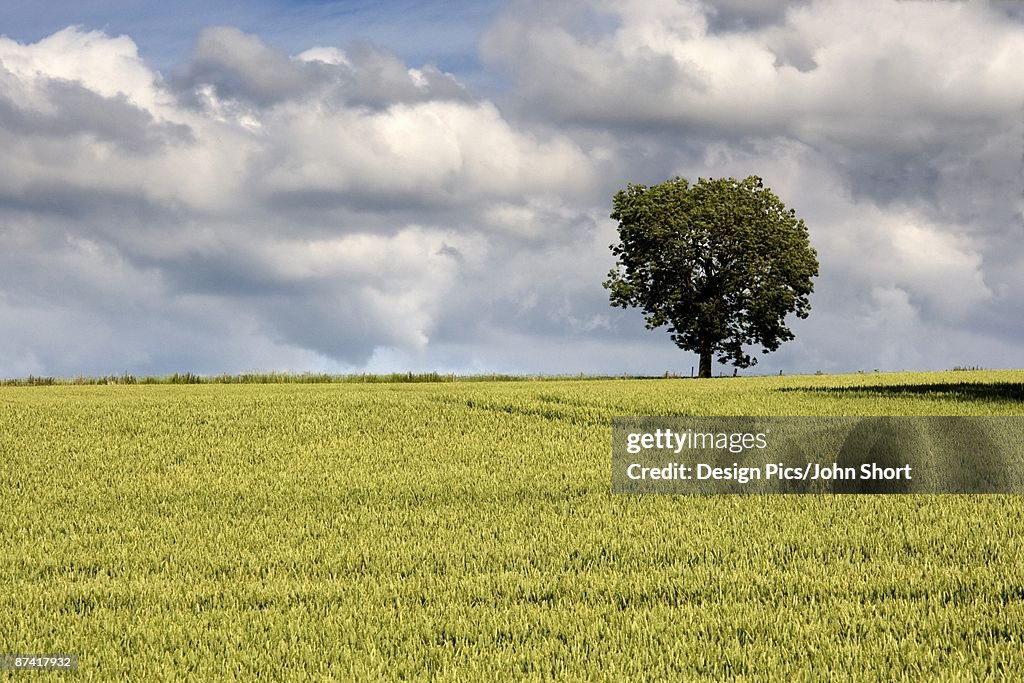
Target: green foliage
<point>465,531</point>
<point>721,263</point>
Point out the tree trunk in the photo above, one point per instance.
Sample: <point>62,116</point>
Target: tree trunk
<point>705,364</point>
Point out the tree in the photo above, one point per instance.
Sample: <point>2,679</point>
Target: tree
<point>721,262</point>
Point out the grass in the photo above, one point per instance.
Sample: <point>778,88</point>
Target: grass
<point>465,530</point>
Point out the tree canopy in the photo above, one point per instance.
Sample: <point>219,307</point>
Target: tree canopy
<point>720,262</point>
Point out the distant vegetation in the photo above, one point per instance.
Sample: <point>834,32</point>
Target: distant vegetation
<point>362,378</point>
<point>288,378</point>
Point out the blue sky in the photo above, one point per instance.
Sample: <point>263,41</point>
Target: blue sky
<point>356,186</point>
<point>445,33</point>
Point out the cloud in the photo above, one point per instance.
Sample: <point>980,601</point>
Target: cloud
<point>237,66</point>
<point>432,153</point>
<point>108,66</point>
<point>229,66</point>
<point>72,110</point>
<point>873,65</point>
<point>365,74</point>
<point>725,16</point>
<point>903,152</point>
<point>338,209</point>
<point>325,204</point>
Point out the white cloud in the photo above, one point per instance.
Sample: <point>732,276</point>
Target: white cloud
<point>108,66</point>
<point>937,267</point>
<point>432,152</point>
<point>864,67</point>
<point>221,213</point>
<point>340,209</point>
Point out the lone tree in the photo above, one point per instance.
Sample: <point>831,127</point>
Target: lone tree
<point>721,262</point>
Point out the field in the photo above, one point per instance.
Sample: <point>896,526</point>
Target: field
<point>465,531</point>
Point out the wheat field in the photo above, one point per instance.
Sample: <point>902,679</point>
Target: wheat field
<point>466,531</point>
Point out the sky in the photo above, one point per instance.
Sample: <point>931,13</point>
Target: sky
<point>411,186</point>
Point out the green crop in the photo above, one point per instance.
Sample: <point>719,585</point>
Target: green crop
<point>465,531</point>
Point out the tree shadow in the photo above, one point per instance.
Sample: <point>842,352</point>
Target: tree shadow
<point>903,454</point>
<point>959,455</point>
<point>969,391</point>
